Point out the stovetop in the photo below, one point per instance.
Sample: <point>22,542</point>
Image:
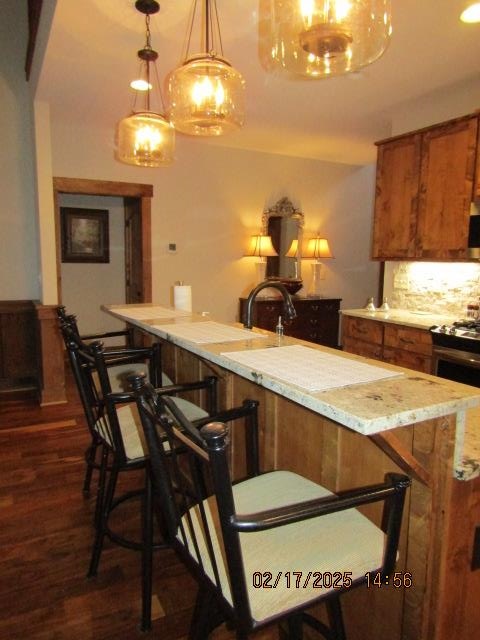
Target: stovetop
<point>463,334</point>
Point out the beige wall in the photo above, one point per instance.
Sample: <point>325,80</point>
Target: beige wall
<point>19,271</point>
<point>454,101</point>
<point>85,287</point>
<point>211,200</point>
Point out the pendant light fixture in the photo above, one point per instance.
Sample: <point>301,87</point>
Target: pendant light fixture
<point>322,38</point>
<point>205,93</point>
<point>146,138</point>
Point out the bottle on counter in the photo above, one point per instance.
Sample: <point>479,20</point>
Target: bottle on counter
<point>385,306</point>
<point>473,310</point>
<point>370,305</point>
<point>279,327</point>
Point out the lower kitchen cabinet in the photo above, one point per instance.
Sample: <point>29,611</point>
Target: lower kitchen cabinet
<point>18,352</point>
<point>398,344</point>
<point>317,318</point>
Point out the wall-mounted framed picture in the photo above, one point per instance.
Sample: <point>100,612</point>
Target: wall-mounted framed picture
<point>84,235</point>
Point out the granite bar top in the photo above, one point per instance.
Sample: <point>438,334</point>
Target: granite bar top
<point>416,319</point>
<point>367,408</point>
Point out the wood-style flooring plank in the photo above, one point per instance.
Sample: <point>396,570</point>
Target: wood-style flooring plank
<point>46,535</point>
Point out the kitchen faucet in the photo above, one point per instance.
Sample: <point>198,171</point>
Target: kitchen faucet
<point>288,308</point>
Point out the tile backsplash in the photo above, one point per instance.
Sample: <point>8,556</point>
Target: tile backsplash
<point>435,287</point>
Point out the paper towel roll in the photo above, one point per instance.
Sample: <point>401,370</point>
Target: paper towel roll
<point>182,297</point>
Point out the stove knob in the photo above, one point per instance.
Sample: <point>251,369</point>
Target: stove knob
<point>452,331</point>
<point>443,328</point>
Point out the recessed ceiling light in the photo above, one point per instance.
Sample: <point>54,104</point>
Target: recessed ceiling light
<point>471,13</point>
<point>140,85</point>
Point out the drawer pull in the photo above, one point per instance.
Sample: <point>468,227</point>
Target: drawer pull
<point>407,341</point>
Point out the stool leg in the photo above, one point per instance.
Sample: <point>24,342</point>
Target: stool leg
<point>295,627</point>
<point>90,456</point>
<point>147,553</point>
<point>102,526</point>
<point>335,618</point>
<point>201,623</point>
<point>101,487</point>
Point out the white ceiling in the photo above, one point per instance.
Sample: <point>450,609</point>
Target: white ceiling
<point>91,58</point>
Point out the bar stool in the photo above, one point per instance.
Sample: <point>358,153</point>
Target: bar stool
<point>116,422</point>
<point>268,548</point>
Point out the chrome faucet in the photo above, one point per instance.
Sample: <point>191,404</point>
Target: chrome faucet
<point>289,312</point>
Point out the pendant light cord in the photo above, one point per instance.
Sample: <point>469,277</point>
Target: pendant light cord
<point>213,34</point>
<point>147,62</point>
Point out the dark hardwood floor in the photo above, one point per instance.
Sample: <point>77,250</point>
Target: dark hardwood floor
<point>46,535</point>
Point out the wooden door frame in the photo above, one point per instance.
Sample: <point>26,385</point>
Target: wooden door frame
<point>82,186</point>
<point>51,362</point>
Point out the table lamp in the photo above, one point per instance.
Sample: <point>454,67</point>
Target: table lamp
<point>317,248</point>
<point>261,247</point>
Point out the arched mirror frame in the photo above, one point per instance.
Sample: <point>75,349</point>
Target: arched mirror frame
<point>284,223</point>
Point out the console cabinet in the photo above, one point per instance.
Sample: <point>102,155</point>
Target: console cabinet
<point>425,183</point>
<point>317,318</point>
<point>18,345</point>
<point>398,344</point>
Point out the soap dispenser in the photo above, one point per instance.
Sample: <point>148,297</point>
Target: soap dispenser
<point>279,327</point>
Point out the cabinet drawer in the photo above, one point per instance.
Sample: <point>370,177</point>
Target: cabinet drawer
<point>366,330</point>
<point>362,348</point>
<point>407,359</point>
<point>409,339</point>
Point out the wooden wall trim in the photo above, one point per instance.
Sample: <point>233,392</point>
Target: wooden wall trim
<point>102,187</point>
<point>52,370</point>
<point>34,13</point>
<point>146,214</point>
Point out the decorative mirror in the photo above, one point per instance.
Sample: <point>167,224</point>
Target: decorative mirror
<point>284,224</point>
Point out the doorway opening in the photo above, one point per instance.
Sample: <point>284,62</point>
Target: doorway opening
<point>137,222</point>
<point>135,199</point>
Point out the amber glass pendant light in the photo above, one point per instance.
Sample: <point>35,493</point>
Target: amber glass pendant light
<point>146,138</point>
<point>205,93</point>
<point>322,38</point>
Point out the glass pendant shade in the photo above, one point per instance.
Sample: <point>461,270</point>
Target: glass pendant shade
<point>206,96</point>
<point>145,139</point>
<point>322,38</point>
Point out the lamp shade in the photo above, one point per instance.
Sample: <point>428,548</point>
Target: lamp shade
<point>293,249</point>
<point>317,248</point>
<point>322,38</point>
<point>206,96</point>
<point>145,139</point>
<point>261,247</point>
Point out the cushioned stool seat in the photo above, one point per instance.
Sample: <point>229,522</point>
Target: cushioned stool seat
<point>351,545</point>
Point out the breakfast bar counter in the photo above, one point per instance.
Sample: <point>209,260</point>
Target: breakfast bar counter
<point>344,421</point>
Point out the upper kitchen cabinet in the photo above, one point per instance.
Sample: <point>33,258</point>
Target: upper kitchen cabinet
<point>396,197</point>
<point>424,187</point>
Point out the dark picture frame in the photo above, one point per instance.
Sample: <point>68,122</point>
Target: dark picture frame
<point>84,235</point>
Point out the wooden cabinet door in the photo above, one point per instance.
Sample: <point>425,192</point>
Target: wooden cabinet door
<point>362,337</point>
<point>361,329</point>
<point>408,347</point>
<point>446,190</point>
<point>396,198</point>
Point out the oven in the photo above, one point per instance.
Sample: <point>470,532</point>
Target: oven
<point>456,353</point>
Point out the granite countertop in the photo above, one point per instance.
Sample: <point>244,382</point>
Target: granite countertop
<point>416,319</point>
<point>367,408</point>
